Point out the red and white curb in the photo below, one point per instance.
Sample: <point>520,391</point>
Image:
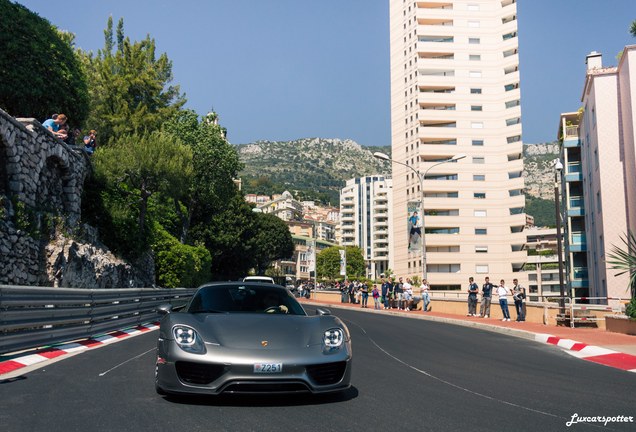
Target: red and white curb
<point>52,352</point>
<point>604,356</point>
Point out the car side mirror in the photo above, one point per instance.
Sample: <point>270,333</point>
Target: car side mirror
<point>164,309</point>
<point>322,311</point>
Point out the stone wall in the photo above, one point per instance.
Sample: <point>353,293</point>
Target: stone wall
<point>41,180</point>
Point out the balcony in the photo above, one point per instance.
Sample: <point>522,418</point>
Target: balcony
<point>579,273</point>
<point>578,242</point>
<point>574,167</point>
<point>573,177</point>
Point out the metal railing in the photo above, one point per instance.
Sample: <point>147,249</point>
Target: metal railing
<point>31,317</point>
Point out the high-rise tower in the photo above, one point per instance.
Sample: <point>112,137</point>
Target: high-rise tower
<point>455,90</point>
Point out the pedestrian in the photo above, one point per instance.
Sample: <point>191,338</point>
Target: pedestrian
<point>55,123</point>
<point>90,142</point>
<point>376,297</point>
<point>407,294</point>
<point>519,296</point>
<point>351,289</point>
<point>398,290</point>
<point>364,289</point>
<point>473,289</point>
<point>386,288</point>
<point>426,299</point>
<point>502,292</point>
<point>486,297</point>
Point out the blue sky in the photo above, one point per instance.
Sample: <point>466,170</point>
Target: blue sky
<point>288,69</point>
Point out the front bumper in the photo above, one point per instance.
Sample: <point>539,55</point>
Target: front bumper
<point>232,371</point>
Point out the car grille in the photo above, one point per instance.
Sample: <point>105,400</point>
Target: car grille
<point>198,373</point>
<point>327,373</point>
<point>265,387</point>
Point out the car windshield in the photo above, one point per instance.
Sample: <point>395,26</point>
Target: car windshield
<point>244,298</point>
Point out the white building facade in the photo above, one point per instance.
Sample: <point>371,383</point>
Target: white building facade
<point>365,218</point>
<point>455,90</point>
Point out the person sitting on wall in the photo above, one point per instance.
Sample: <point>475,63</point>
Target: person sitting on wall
<point>55,123</point>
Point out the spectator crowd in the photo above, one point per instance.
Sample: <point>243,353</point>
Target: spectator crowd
<point>59,127</point>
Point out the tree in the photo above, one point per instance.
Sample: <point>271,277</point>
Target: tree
<point>39,73</point>
<point>129,86</point>
<point>140,166</point>
<point>272,241</point>
<point>215,165</point>
<point>624,260</point>
<point>632,28</point>
<point>328,262</point>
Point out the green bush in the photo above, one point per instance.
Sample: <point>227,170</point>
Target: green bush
<point>179,265</point>
<point>630,309</point>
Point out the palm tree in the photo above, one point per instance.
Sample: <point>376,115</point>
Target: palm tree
<point>632,29</point>
<point>625,260</point>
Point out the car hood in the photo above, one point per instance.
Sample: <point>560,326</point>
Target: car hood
<point>249,331</point>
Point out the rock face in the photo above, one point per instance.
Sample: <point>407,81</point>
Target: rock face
<point>41,183</point>
<point>70,263</point>
<point>538,162</point>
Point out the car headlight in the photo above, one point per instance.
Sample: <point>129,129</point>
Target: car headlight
<point>188,339</point>
<point>334,337</point>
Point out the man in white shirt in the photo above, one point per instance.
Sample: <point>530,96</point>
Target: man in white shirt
<point>424,292</point>
<point>502,292</point>
<point>407,294</point>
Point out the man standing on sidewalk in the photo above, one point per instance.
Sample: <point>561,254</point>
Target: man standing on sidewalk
<point>486,297</point>
<point>519,295</point>
<point>502,292</point>
<point>473,289</point>
<point>426,299</point>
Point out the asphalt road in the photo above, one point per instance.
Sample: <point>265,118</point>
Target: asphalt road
<point>408,375</point>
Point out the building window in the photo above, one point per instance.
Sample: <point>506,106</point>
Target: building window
<point>479,177</point>
<point>474,57</point>
<point>481,249</point>
<point>480,213</point>
<point>513,121</point>
<point>478,142</point>
<point>443,268</point>
<point>474,41</point>
<point>479,195</point>
<point>475,91</point>
<point>474,74</point>
<point>516,210</point>
<point>477,125</point>
<point>479,160</point>
<point>513,103</point>
<point>476,108</point>
<point>481,231</point>
<point>453,230</point>
<point>513,139</point>
<point>481,268</point>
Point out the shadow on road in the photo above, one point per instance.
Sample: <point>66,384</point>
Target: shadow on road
<point>265,400</point>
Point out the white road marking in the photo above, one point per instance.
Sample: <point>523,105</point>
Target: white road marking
<point>123,363</point>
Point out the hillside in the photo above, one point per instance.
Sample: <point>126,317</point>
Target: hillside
<point>317,168</point>
<point>311,168</point>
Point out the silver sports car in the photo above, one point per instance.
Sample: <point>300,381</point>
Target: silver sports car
<point>242,337</point>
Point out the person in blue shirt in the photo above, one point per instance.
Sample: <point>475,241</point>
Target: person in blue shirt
<point>54,123</point>
<point>415,228</point>
<point>386,289</point>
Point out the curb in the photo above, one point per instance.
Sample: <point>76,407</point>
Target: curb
<point>595,354</point>
<point>54,351</point>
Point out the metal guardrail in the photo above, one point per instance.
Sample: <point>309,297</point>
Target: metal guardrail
<point>31,317</point>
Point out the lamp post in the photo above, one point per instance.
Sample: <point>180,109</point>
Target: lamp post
<point>558,167</point>
<point>420,177</point>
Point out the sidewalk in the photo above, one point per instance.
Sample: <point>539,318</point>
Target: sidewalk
<point>592,344</point>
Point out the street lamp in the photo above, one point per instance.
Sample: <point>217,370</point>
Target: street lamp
<point>420,177</point>
<point>558,167</point>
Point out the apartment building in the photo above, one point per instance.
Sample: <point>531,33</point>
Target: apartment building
<point>598,150</point>
<point>542,266</point>
<point>573,206</point>
<point>455,90</point>
<point>365,218</point>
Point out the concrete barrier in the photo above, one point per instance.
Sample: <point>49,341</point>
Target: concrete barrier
<point>536,312</point>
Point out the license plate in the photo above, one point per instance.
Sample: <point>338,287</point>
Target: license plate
<point>267,368</point>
